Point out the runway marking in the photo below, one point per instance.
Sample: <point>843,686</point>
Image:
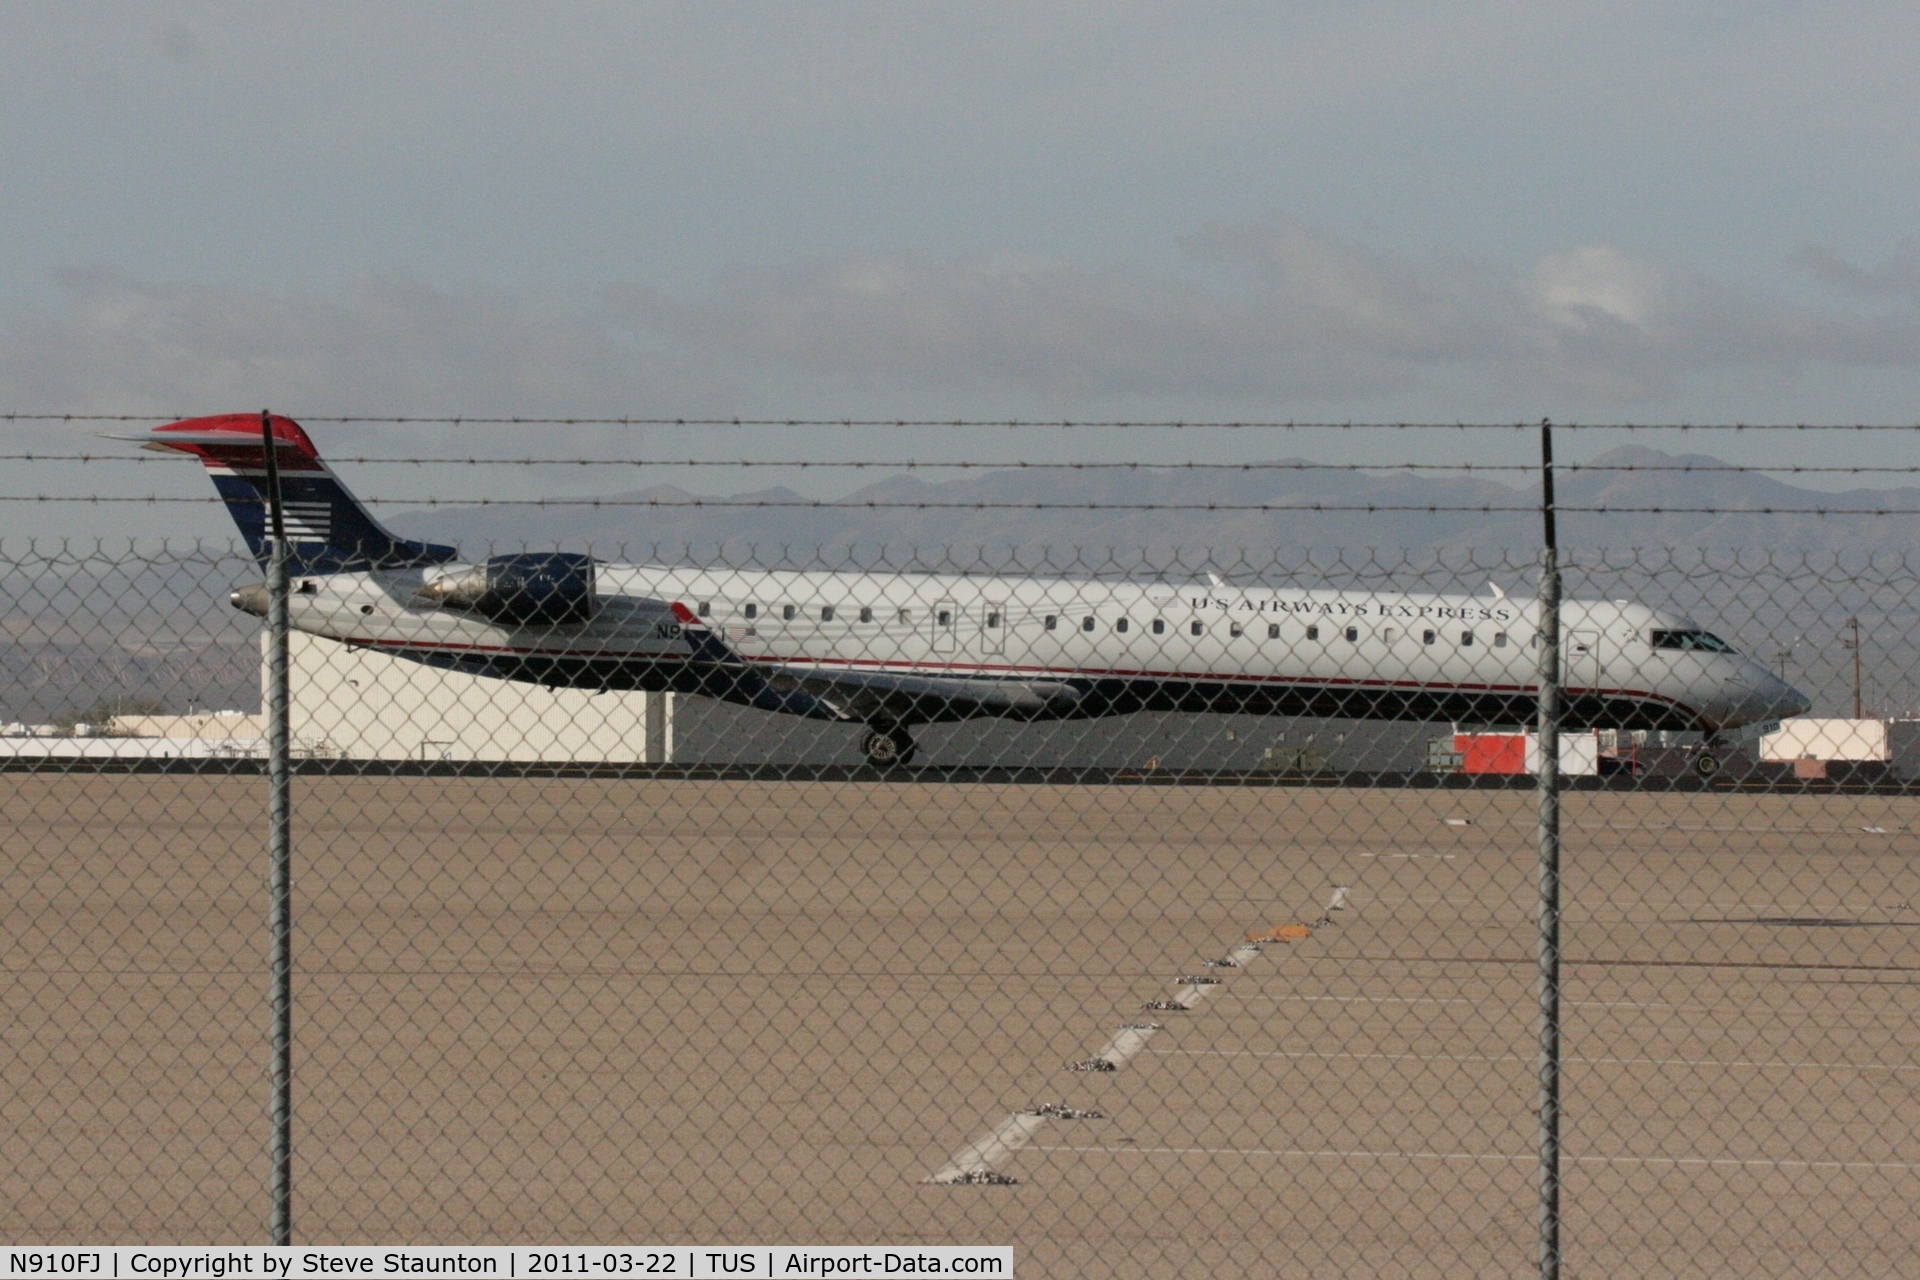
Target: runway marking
<point>1850,829</point>
<point>1496,1005</point>
<point>978,1161</point>
<point>1493,1001</point>
<point>1514,1057</point>
<point>1127,1041</point>
<point>1306,1153</point>
<point>980,1158</point>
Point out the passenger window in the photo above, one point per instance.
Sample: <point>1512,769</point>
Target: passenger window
<point>993,618</point>
<point>1313,633</point>
<point>944,617</point>
<point>1159,626</point>
<point>826,613</point>
<point>1086,624</point>
<point>1233,628</point>
<point>1499,639</point>
<point>1353,633</point>
<point>866,613</point>
<point>752,611</point>
<point>1273,631</point>
<point>1121,625</point>
<point>704,608</point>
<point>906,617</point>
<point>1199,628</point>
<point>1053,621</point>
<point>1466,639</point>
<point>1387,635</point>
<point>1427,637</point>
<point>786,612</point>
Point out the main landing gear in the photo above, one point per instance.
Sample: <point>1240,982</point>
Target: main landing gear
<point>887,748</point>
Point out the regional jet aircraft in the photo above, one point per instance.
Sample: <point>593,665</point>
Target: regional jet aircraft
<point>890,651</point>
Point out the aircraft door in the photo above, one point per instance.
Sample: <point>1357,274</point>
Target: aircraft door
<point>1581,666</point>
<point>993,627</point>
<point>945,619</point>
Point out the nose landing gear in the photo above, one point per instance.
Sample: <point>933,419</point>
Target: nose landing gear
<point>887,747</point>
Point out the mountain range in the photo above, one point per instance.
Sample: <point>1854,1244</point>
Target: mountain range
<point>1025,511</point>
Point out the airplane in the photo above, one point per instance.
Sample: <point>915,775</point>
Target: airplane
<point>891,651</point>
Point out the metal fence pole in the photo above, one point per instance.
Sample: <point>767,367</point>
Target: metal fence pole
<point>1549,873</point>
<point>279,846</point>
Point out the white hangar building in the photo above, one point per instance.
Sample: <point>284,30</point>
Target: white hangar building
<point>360,704</point>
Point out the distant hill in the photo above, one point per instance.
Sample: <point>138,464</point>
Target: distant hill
<point>1400,519</point>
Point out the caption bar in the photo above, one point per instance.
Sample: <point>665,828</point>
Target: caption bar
<point>510,1262</point>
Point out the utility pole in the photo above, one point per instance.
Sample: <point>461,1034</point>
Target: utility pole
<point>279,847</point>
<point>1854,645</point>
<point>1547,877</point>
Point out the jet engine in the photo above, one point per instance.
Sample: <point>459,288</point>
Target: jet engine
<point>539,587</point>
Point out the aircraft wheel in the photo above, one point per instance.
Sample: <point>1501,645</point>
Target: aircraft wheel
<point>1706,764</point>
<point>887,748</point>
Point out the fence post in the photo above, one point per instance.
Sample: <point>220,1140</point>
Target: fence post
<point>279,846</point>
<point>1548,875</point>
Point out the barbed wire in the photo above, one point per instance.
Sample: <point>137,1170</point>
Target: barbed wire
<point>1108,423</point>
<point>916,464</point>
<point>883,505</point>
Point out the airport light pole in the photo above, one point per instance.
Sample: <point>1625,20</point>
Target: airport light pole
<point>1548,875</point>
<point>1854,644</point>
<point>279,846</point>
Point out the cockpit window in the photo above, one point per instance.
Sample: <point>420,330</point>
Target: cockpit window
<point>1698,640</point>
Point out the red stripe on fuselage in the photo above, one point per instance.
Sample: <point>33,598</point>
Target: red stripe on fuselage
<point>1085,673</point>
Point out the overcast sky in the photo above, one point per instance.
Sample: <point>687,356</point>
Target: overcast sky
<point>1340,210</point>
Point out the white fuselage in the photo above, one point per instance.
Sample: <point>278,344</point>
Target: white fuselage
<point>1402,655</point>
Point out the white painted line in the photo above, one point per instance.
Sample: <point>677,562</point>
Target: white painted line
<point>1693,1162</point>
<point>1187,997</point>
<point>1241,954</point>
<point>1127,1041</point>
<point>984,1154</point>
<point>1255,995</point>
<point>1514,1057</point>
<point>1338,902</point>
<point>1444,857</point>
<point>1492,1003</point>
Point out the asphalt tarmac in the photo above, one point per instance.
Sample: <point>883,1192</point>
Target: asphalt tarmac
<point>738,1011</point>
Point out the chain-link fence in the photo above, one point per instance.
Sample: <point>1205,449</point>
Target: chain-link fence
<point>1197,935</point>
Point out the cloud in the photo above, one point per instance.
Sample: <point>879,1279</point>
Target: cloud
<point>1898,276</point>
<point>385,344</point>
<point>1273,312</point>
<point>1275,309</point>
<point>176,42</point>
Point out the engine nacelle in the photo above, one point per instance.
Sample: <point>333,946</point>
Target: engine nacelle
<point>536,587</point>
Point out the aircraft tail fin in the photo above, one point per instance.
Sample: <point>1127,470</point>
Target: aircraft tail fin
<point>328,530</point>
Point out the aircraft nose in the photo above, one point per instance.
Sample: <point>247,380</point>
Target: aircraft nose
<point>251,599</point>
<point>1777,700</point>
<point>1791,702</point>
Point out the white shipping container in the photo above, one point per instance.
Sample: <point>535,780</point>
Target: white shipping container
<point>1579,754</point>
<point>1810,738</point>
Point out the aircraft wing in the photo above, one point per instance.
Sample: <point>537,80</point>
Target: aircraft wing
<point>839,693</point>
<point>873,695</point>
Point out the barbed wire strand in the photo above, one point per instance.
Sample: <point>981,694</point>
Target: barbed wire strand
<point>1112,423</point>
<point>916,464</point>
<point>878,505</point>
